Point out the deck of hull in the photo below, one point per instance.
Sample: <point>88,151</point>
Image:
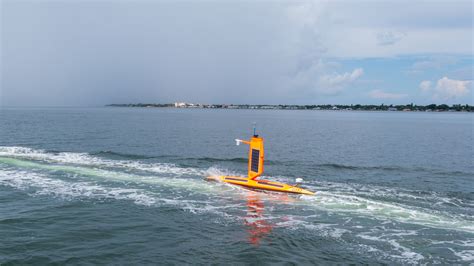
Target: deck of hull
<point>261,184</point>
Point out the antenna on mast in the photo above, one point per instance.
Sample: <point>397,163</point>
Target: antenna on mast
<point>255,129</point>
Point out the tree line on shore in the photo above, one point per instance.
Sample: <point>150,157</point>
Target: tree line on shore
<point>361,107</point>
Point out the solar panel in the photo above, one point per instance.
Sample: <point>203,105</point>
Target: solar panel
<point>255,160</point>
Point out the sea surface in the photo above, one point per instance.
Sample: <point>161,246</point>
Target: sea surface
<point>125,186</point>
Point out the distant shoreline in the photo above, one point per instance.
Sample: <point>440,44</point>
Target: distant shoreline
<point>352,107</point>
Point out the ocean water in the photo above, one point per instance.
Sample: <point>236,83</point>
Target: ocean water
<point>125,186</point>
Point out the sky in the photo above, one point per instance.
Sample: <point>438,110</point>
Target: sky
<point>91,53</point>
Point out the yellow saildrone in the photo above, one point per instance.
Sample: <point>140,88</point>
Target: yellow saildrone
<point>255,169</point>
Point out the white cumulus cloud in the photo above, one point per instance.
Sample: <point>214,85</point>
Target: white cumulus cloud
<point>317,79</point>
<point>380,94</point>
<point>425,85</point>
<point>447,89</point>
<point>340,80</point>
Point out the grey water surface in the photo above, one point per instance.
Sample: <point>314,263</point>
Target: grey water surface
<point>125,186</point>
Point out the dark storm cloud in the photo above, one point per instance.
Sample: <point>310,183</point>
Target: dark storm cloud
<point>87,53</point>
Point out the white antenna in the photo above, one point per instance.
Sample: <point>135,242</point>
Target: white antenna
<point>298,181</point>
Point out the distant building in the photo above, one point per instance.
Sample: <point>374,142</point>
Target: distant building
<point>185,105</point>
<point>392,109</point>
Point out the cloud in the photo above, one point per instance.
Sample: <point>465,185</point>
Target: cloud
<point>463,73</point>
<point>447,89</point>
<point>322,78</point>
<point>389,37</point>
<point>380,94</point>
<point>337,81</point>
<point>278,51</point>
<point>434,62</point>
<point>314,73</point>
<point>369,29</point>
<point>423,28</point>
<point>425,85</point>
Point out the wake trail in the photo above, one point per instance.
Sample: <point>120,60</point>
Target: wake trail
<point>340,198</point>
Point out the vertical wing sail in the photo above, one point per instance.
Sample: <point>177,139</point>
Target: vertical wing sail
<point>256,156</point>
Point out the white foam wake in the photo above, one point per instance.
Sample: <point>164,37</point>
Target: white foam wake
<point>43,185</point>
<point>339,198</point>
<point>40,184</point>
<point>97,174</point>
<point>88,160</point>
<point>341,203</point>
